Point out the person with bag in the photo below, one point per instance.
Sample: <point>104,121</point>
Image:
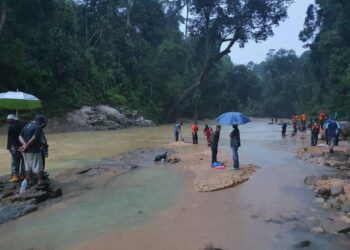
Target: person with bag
<point>315,130</point>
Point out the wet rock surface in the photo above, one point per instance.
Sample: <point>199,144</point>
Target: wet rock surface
<point>339,159</point>
<point>101,117</point>
<point>14,204</point>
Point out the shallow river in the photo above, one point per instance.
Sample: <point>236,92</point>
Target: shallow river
<point>139,197</point>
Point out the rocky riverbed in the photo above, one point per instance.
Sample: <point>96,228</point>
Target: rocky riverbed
<point>14,204</point>
<point>101,117</point>
<point>331,191</point>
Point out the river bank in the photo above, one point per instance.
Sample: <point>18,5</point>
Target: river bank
<point>159,207</point>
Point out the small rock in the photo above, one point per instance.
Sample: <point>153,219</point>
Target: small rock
<point>83,171</point>
<point>323,192</point>
<point>319,200</point>
<point>311,180</point>
<point>9,186</point>
<point>6,194</point>
<point>336,190</point>
<point>55,192</point>
<point>318,230</point>
<point>303,244</point>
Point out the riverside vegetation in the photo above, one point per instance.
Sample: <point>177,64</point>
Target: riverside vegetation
<point>138,54</point>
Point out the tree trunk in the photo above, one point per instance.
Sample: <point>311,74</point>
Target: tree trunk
<point>3,15</point>
<point>209,65</point>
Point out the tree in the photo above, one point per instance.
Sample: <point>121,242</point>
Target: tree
<point>222,23</point>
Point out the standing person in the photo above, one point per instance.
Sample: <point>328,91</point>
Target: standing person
<point>177,131</point>
<point>13,144</point>
<point>322,118</point>
<point>194,133</point>
<point>315,130</point>
<point>30,139</point>
<point>303,121</point>
<point>44,149</point>
<point>284,128</point>
<point>208,132</point>
<point>295,124</point>
<point>332,128</point>
<point>235,143</point>
<point>214,143</point>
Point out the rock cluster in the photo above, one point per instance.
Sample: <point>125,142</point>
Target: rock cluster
<point>14,205</point>
<point>333,193</point>
<point>103,117</point>
<point>339,159</point>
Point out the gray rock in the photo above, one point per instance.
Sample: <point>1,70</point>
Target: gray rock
<point>83,171</point>
<point>318,230</point>
<point>303,244</point>
<point>345,129</point>
<point>38,196</point>
<point>319,200</point>
<point>323,192</point>
<point>114,115</point>
<point>15,210</point>
<point>336,190</point>
<point>311,180</point>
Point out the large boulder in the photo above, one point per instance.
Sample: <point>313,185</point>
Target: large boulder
<point>142,122</point>
<point>80,117</point>
<point>114,115</point>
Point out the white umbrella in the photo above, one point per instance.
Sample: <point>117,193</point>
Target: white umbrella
<point>18,100</point>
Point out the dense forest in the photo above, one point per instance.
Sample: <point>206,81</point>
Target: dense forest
<point>171,58</point>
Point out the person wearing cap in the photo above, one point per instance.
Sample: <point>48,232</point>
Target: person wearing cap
<point>13,144</point>
<point>30,139</point>
<point>235,143</point>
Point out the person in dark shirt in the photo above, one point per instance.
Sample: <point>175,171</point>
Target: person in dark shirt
<point>235,143</point>
<point>332,130</point>
<point>31,140</point>
<point>284,128</point>
<point>214,143</point>
<point>13,144</point>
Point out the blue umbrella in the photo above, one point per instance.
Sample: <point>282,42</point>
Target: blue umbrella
<point>230,118</point>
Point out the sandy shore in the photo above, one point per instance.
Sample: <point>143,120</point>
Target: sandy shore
<point>206,178</point>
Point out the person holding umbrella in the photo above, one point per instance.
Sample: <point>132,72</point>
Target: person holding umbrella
<point>13,144</point>
<point>235,143</point>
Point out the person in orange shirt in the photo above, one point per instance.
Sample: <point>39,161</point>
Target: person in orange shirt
<point>322,118</point>
<point>295,124</point>
<point>303,121</point>
<point>194,133</point>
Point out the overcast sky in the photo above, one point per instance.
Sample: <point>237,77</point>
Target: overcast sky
<point>286,37</point>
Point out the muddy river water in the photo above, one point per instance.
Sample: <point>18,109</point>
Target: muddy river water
<point>156,208</point>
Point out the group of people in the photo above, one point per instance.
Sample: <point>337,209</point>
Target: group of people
<point>302,118</point>
<point>28,147</point>
<point>213,138</point>
<point>329,126</point>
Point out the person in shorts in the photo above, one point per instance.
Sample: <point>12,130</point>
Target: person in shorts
<point>30,139</point>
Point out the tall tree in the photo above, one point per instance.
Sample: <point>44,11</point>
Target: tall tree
<point>222,23</point>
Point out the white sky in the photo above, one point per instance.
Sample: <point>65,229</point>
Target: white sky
<point>286,37</point>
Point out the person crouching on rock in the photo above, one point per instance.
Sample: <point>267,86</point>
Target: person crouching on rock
<point>30,139</point>
<point>214,143</point>
<point>235,143</point>
<point>13,144</point>
<point>315,130</point>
